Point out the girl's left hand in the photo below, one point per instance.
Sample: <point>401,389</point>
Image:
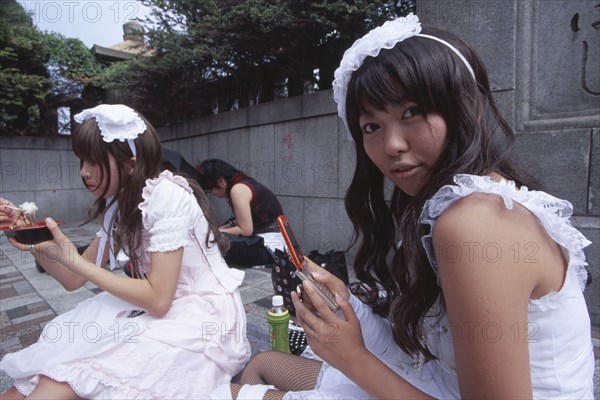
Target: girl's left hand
<point>60,249</point>
<point>337,341</point>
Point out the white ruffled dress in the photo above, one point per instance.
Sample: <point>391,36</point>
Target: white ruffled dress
<point>558,331</point>
<point>198,345</point>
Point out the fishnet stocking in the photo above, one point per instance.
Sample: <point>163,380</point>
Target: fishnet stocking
<point>286,372</point>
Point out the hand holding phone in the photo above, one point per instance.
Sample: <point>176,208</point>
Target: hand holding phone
<point>299,262</point>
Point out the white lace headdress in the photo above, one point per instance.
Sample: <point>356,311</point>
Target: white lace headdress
<point>385,36</point>
<point>116,121</point>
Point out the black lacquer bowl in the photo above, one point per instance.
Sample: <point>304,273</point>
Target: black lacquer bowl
<point>30,234</point>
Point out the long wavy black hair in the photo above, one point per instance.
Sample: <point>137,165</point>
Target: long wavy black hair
<point>478,142</point>
<point>88,146</point>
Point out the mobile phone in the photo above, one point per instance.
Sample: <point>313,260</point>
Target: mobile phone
<point>299,262</point>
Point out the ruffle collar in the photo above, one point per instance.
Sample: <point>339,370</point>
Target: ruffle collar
<point>166,175</point>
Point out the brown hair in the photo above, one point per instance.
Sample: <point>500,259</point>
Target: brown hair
<point>88,146</point>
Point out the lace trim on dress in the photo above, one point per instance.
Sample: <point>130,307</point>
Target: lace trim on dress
<point>164,176</point>
<point>554,214</point>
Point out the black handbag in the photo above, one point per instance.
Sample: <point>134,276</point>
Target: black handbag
<point>335,262</point>
<point>247,251</point>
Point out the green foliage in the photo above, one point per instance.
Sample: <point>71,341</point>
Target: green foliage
<point>38,72</point>
<point>70,59</point>
<point>243,51</point>
<point>71,67</point>
<point>24,82</point>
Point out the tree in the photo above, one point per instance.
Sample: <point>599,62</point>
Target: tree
<point>244,51</point>
<point>24,81</point>
<point>73,72</point>
<point>71,66</point>
<point>39,72</point>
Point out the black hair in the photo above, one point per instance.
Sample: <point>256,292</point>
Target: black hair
<point>209,172</point>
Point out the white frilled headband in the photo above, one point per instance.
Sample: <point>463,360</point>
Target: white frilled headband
<point>116,121</point>
<point>383,37</point>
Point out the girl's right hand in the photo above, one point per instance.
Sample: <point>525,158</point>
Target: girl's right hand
<point>338,341</point>
<point>7,214</point>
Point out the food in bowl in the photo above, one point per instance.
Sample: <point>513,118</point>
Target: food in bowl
<point>25,215</point>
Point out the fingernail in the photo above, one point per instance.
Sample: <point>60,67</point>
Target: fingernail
<point>49,221</point>
<point>317,274</point>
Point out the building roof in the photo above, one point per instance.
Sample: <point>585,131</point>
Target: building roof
<point>132,44</point>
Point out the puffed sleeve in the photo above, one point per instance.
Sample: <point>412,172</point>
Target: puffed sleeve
<point>167,214</point>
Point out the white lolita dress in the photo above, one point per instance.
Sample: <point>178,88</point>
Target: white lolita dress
<point>558,332</point>
<point>103,352</point>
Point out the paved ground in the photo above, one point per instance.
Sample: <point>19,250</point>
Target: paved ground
<point>29,299</point>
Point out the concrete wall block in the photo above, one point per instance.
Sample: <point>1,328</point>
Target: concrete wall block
<point>221,208</point>
<point>326,225</point>
<point>318,103</point>
<point>29,142</point>
<point>198,126</point>
<point>228,120</point>
<point>23,169</point>
<point>293,209</point>
<point>560,160</point>
<point>346,159</point>
<point>594,193</point>
<point>70,170</point>
<point>307,152</point>
<point>489,26</point>
<point>276,111</point>
<point>238,147</point>
<point>200,149</point>
<point>184,147</point>
<point>64,205</point>
<point>218,146</point>
<point>167,133</point>
<point>260,163</point>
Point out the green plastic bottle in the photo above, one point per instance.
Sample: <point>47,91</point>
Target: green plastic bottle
<point>279,318</point>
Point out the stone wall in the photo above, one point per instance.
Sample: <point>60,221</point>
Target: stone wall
<point>45,171</point>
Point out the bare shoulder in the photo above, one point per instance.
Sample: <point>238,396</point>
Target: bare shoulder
<point>478,237</point>
<point>241,190</point>
<point>484,215</point>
